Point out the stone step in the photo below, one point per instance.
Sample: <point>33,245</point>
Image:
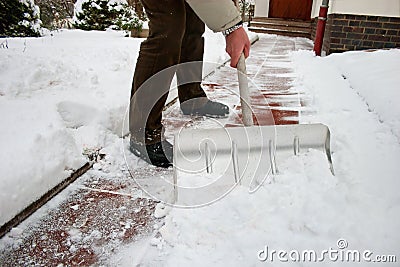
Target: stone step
<point>280,27</point>
<point>287,22</point>
<point>286,27</point>
<point>281,32</point>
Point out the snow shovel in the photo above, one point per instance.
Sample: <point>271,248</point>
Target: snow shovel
<point>209,163</point>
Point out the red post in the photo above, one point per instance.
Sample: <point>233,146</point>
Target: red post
<point>319,36</point>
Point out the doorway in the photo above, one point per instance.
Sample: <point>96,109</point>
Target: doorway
<point>290,9</point>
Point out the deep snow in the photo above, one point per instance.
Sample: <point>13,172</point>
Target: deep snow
<point>62,96</point>
<point>67,93</point>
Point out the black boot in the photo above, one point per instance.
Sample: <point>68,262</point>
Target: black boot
<point>210,109</point>
<point>158,154</point>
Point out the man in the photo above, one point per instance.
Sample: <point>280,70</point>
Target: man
<point>175,37</point>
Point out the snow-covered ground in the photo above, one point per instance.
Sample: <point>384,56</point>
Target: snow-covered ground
<point>63,95</point>
<point>306,208</point>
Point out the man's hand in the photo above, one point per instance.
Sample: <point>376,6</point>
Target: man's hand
<point>236,43</point>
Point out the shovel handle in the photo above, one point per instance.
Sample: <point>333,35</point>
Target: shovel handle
<point>247,115</point>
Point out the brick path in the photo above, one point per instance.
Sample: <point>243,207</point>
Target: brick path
<point>104,209</point>
<point>273,99</point>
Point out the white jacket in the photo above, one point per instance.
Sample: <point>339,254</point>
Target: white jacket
<point>219,15</point>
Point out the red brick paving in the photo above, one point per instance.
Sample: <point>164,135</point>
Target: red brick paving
<point>85,228</point>
<point>274,100</point>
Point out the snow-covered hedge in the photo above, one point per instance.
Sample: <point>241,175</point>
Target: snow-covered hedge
<point>19,18</point>
<point>104,14</point>
<point>56,14</point>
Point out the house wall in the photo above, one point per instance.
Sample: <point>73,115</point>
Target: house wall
<point>389,8</point>
<point>360,25</point>
<point>345,32</point>
<point>261,8</point>
<point>354,24</point>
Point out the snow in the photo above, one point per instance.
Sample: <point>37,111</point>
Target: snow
<point>378,85</point>
<point>116,5</point>
<point>56,106</point>
<point>34,22</point>
<point>67,93</point>
<point>63,94</point>
<point>78,7</point>
<point>305,207</point>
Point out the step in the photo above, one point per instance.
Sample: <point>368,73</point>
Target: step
<point>278,21</point>
<point>280,27</point>
<point>281,32</point>
<point>287,27</point>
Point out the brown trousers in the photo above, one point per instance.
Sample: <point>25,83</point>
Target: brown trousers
<point>175,36</point>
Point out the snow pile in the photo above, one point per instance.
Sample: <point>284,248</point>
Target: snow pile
<point>61,96</point>
<point>232,231</point>
<point>57,105</point>
<point>376,77</point>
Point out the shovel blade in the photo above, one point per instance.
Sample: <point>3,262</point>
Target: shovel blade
<point>209,163</point>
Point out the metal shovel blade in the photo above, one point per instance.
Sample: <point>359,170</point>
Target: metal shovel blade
<point>209,163</point>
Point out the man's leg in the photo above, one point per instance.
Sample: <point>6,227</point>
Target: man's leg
<point>161,50</point>
<point>192,97</point>
<point>192,50</point>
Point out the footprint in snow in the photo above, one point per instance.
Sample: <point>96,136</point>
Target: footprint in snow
<point>76,115</point>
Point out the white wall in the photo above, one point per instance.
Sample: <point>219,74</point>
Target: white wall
<point>389,8</point>
<point>315,8</point>
<point>261,8</point>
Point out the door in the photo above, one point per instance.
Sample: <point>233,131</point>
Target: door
<point>290,9</point>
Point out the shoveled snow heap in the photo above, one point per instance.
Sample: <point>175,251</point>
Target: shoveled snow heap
<point>63,95</point>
